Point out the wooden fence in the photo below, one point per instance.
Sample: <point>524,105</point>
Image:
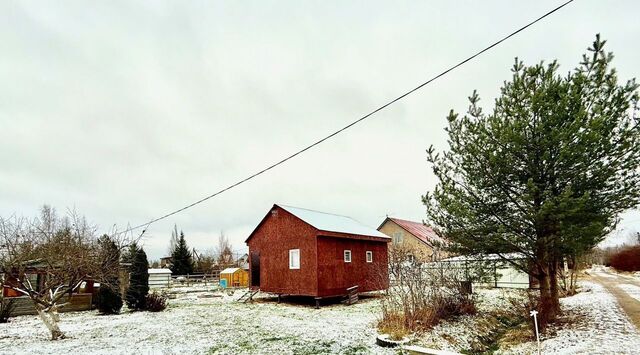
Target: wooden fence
<point>78,302</point>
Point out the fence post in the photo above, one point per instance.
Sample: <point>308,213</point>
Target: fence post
<point>534,314</point>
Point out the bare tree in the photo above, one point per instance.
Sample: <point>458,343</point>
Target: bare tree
<point>224,255</point>
<point>174,239</point>
<point>47,258</point>
<point>204,261</point>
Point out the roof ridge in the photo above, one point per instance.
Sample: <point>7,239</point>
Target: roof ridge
<point>308,209</point>
<point>331,222</point>
<point>407,220</point>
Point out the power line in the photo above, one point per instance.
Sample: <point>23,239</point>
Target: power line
<point>389,103</point>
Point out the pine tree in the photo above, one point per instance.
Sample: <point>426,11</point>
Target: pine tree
<point>139,278</point>
<point>546,173</point>
<point>181,258</point>
<point>109,297</point>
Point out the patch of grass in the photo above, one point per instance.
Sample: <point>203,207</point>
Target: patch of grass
<point>313,348</point>
<point>355,350</point>
<point>393,323</point>
<point>449,338</point>
<point>270,337</point>
<point>500,328</point>
<point>242,345</point>
<point>246,344</point>
<point>516,335</point>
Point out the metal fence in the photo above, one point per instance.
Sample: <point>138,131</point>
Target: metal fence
<point>488,273</point>
<point>195,279</point>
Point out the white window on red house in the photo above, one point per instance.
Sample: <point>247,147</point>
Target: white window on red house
<point>294,259</point>
<point>369,256</point>
<point>347,256</point>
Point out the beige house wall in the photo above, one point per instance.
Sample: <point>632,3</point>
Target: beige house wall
<point>407,241</point>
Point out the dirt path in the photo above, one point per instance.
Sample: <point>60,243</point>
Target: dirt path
<point>623,288</point>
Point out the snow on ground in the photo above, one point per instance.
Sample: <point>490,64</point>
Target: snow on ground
<point>601,327</point>
<point>605,275</point>
<point>194,325</point>
<point>632,290</point>
<point>218,325</point>
<point>600,271</point>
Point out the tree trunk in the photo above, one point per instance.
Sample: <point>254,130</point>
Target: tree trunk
<point>573,276</point>
<point>549,305</point>
<point>574,280</point>
<point>50,319</point>
<point>553,287</point>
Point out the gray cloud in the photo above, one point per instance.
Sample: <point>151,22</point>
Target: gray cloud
<point>129,110</point>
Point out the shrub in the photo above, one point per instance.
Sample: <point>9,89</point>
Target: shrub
<point>139,279</point>
<point>6,307</point>
<point>403,313</point>
<point>519,308</point>
<point>627,259</point>
<point>109,300</point>
<point>156,302</point>
<point>393,323</point>
<point>421,296</point>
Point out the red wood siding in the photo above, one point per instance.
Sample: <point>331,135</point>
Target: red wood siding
<point>273,238</point>
<point>322,272</point>
<point>335,275</point>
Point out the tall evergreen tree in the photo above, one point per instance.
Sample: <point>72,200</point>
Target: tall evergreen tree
<point>139,278</point>
<point>181,258</point>
<point>546,173</point>
<point>109,297</point>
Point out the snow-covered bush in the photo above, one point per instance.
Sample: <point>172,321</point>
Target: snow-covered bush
<point>156,302</point>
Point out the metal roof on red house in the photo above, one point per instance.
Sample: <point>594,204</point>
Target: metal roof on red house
<point>332,222</point>
<point>418,229</point>
<point>328,222</point>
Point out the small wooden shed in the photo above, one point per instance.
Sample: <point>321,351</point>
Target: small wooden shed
<point>36,272</point>
<point>159,278</point>
<point>296,251</point>
<point>235,277</point>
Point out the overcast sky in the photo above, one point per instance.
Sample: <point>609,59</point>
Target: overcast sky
<point>128,110</point>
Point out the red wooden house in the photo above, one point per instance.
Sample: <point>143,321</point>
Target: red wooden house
<point>296,251</point>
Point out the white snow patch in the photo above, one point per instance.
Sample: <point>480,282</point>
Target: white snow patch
<point>631,290</point>
<point>199,325</point>
<point>605,275</point>
<point>603,327</point>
